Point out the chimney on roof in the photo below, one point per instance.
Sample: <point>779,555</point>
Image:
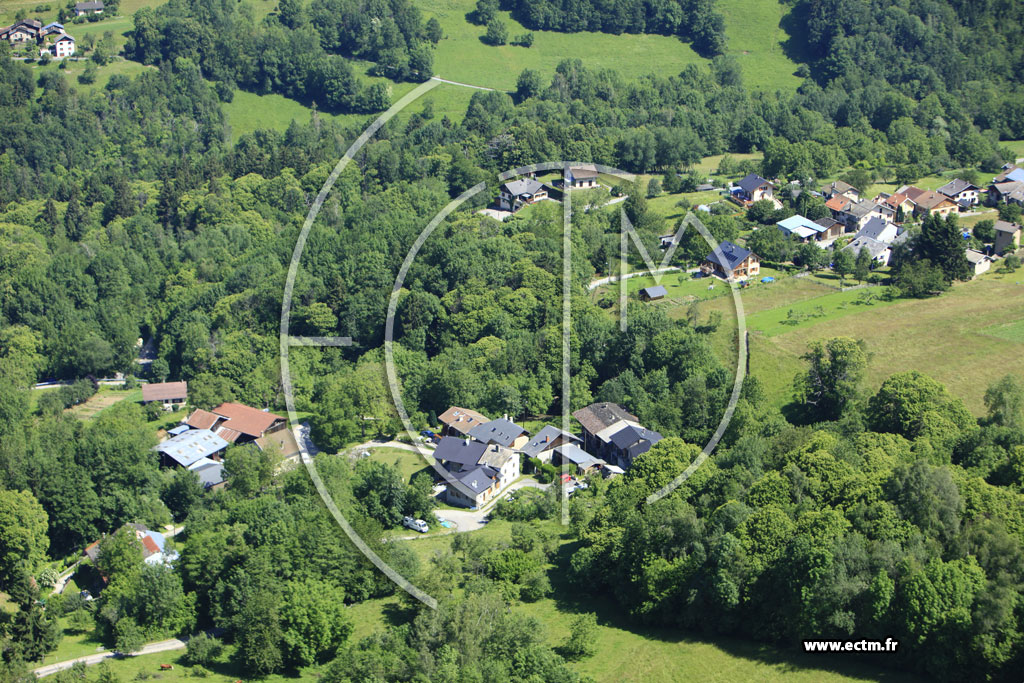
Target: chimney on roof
<point>466,442</point>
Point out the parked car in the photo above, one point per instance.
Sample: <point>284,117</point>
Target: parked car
<point>415,524</point>
<point>427,433</point>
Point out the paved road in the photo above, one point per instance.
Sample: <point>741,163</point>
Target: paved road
<point>464,85</point>
<point>148,649</point>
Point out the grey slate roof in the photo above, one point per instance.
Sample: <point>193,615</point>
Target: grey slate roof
<point>629,435</point>
<point>210,472</point>
<point>654,292</point>
<point>544,438</point>
<point>873,246</point>
<point>465,452</point>
<point>751,182</point>
<point>576,455</point>
<point>861,209</point>
<point>1004,226</point>
<point>90,4</point>
<point>734,255</point>
<point>501,431</point>
<point>478,479</point>
<point>956,186</point>
<point>827,222</point>
<point>522,186</point>
<point>874,228</point>
<point>598,416</point>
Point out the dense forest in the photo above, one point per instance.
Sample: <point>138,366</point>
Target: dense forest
<point>126,213</point>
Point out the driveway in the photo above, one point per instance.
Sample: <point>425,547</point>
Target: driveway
<point>471,520</point>
<point>148,649</point>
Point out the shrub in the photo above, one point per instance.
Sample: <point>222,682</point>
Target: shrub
<point>202,649</point>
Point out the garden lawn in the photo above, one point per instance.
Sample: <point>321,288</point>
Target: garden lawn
<point>407,462</point>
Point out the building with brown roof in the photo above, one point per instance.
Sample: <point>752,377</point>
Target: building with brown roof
<point>932,204</point>
<point>236,423</point>
<point>458,421</point>
<point>170,394</point>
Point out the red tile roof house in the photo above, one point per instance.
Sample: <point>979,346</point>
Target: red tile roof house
<point>236,423</point>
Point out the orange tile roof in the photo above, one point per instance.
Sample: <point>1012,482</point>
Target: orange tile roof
<point>837,203</point>
<point>202,419</point>
<point>249,421</point>
<point>149,546</point>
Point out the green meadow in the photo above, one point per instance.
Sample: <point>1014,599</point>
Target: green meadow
<point>462,56</point>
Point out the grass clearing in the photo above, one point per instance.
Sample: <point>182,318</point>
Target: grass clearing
<point>954,337</point>
<point>462,56</point>
<point>753,33</point>
<point>248,112</point>
<point>407,463</point>
<point>103,399</point>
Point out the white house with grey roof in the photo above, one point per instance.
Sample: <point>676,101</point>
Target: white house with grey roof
<point>965,194</point>
<point>516,194</point>
<point>474,472</point>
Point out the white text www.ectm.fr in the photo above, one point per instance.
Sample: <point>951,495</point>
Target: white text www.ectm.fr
<point>887,645</point>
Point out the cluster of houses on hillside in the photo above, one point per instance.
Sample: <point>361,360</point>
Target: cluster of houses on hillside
<point>199,441</point>
<point>875,224</point>
<point>52,39</point>
<point>481,457</point>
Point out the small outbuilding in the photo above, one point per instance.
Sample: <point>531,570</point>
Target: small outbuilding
<point>653,293</point>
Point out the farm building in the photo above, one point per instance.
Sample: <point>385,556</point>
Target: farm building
<point>170,394</point>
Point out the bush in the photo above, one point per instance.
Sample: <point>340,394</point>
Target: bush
<point>525,40</point>
<point>497,32</point>
<point>88,77</point>
<point>202,649</point>
<point>582,641</point>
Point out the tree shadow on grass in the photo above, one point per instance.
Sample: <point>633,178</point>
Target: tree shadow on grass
<point>794,23</point>
<point>570,599</point>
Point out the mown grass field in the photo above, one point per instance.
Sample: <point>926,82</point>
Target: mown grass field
<point>958,338</point>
